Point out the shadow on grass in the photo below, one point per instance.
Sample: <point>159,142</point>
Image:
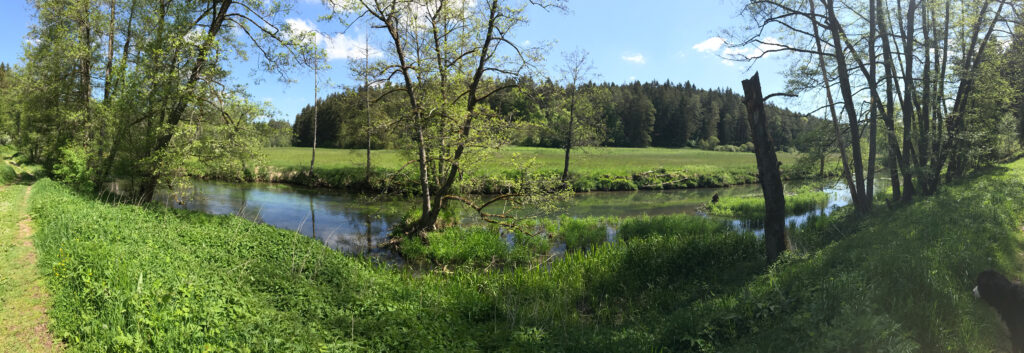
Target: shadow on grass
<point>901,282</point>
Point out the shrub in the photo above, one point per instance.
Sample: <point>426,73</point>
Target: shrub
<point>73,168</point>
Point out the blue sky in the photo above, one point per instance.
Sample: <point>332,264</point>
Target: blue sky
<point>627,40</point>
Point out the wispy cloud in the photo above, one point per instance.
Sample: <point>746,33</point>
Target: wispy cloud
<point>635,58</point>
<point>338,46</point>
<point>710,45</point>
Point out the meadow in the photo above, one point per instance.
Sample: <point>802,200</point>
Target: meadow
<point>152,279</point>
<point>591,169</point>
<point>611,160</point>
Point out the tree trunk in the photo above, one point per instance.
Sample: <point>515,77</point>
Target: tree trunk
<point>923,121</point>
<point>860,201</point>
<point>873,124</point>
<point>902,158</point>
<point>366,85</point>
<point>768,167</point>
<point>110,53</point>
<point>569,134</point>
<point>908,97</point>
<point>316,105</point>
<point>847,176</point>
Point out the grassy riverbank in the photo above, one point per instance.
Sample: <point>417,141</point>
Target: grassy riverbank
<point>592,169</point>
<point>153,279</point>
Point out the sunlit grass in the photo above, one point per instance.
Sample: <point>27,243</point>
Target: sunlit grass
<point>896,280</point>
<point>588,160</point>
<point>592,169</point>
<point>752,208</point>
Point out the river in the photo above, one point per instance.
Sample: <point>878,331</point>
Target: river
<point>356,224</point>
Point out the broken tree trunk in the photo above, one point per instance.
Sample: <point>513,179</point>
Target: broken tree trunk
<point>768,169</point>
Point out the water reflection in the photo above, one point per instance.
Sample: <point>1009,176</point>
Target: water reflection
<point>357,225</point>
<point>345,222</point>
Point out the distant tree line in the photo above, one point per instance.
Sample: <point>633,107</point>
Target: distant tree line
<point>637,114</point>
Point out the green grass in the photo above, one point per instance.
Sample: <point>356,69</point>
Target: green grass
<point>609,160</point>
<point>592,169</point>
<point>752,208</point>
<point>153,279</point>
<point>22,294</point>
<point>580,234</point>
<point>480,247</point>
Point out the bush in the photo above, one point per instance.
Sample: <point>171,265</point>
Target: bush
<point>728,148</point>
<point>7,174</point>
<point>73,169</point>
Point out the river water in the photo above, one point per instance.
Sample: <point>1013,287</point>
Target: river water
<point>356,224</point>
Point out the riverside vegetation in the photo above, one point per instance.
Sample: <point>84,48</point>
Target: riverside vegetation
<point>149,278</point>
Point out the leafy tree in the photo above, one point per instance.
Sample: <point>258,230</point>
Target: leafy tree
<point>168,110</point>
<point>576,70</point>
<point>443,54</point>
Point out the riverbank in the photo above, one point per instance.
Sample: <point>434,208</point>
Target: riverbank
<point>154,279</point>
<point>592,169</point>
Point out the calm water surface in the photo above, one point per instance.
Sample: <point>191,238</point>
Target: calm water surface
<point>356,224</point>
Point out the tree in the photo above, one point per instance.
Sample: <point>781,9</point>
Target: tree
<point>845,47</point>
<point>576,70</point>
<point>443,53</point>
<point>168,110</point>
<point>768,171</point>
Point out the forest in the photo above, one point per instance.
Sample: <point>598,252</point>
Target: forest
<point>511,175</point>
<point>683,116</point>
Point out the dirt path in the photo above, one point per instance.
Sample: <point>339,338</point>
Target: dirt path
<point>22,291</point>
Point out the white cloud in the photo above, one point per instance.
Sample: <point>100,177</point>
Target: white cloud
<point>338,46</point>
<point>728,62</point>
<point>341,47</point>
<point>730,52</point>
<point>636,58</point>
<point>710,45</point>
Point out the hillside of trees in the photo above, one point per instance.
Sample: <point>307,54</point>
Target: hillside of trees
<point>638,114</point>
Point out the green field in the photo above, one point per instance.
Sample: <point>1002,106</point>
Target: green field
<point>588,160</point>
<point>591,169</point>
<point>150,279</point>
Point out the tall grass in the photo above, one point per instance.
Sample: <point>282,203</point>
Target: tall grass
<point>752,208</point>
<point>153,279</point>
